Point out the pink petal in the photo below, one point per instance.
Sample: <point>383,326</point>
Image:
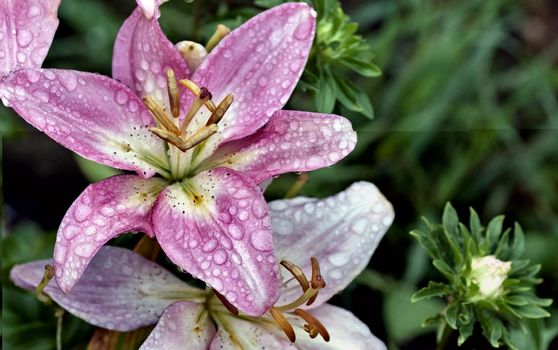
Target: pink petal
<point>94,116</point>
<point>342,231</point>
<point>150,8</point>
<point>182,326</point>
<point>26,31</point>
<point>142,56</point>
<point>104,210</point>
<point>216,227</point>
<point>120,290</point>
<point>345,330</point>
<point>260,63</point>
<point>291,141</point>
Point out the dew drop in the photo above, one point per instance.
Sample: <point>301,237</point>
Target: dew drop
<point>261,240</point>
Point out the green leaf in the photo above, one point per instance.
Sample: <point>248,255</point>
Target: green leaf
<point>518,244</point>
<point>494,230</point>
<point>451,315</point>
<point>434,289</point>
<point>363,67</point>
<point>450,220</point>
<point>532,311</point>
<point>352,97</point>
<point>326,93</point>
<point>475,224</point>
<point>465,331</point>
<point>445,269</point>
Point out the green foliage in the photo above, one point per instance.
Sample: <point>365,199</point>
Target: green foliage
<point>473,259</point>
<point>338,50</point>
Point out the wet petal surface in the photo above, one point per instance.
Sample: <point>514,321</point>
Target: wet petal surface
<point>103,211</point>
<point>183,325</point>
<point>216,227</point>
<point>342,231</point>
<point>291,141</point>
<point>142,56</point>
<point>92,115</point>
<point>119,290</point>
<point>346,332</point>
<point>260,64</point>
<point>27,28</point>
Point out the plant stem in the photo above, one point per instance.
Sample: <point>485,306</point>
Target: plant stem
<point>445,337</point>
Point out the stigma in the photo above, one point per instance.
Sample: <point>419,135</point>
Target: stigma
<point>168,126</point>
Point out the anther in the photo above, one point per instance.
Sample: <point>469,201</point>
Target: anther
<point>317,280</point>
<point>174,96</point>
<point>283,323</point>
<point>199,137</point>
<point>169,137</point>
<point>205,94</point>
<point>195,89</point>
<point>232,309</point>
<point>47,276</point>
<point>220,32</point>
<point>313,324</point>
<point>297,273</point>
<point>160,116</point>
<point>220,110</point>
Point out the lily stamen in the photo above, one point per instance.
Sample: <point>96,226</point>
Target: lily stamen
<point>196,90</point>
<point>314,325</point>
<point>220,110</point>
<point>160,116</point>
<point>170,138</point>
<point>47,276</point>
<point>220,32</point>
<point>232,309</point>
<point>199,137</point>
<point>297,273</point>
<point>174,96</point>
<point>283,323</point>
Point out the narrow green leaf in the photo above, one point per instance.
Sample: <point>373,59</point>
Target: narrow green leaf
<point>451,315</point>
<point>475,224</point>
<point>450,220</point>
<point>494,230</point>
<point>445,269</point>
<point>518,244</point>
<point>434,289</point>
<point>326,93</point>
<point>532,311</point>
<point>363,67</point>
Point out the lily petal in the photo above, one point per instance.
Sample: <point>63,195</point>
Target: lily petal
<point>291,141</point>
<point>120,290</point>
<point>94,116</point>
<point>260,64</point>
<point>345,330</point>
<point>142,56</point>
<point>341,231</point>
<point>27,28</point>
<point>104,210</point>
<point>183,325</point>
<point>216,227</point>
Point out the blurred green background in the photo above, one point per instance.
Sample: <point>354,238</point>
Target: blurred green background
<point>466,111</point>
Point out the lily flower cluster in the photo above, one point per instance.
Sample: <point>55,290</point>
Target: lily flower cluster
<point>121,290</point>
<point>204,131</point>
<point>205,206</point>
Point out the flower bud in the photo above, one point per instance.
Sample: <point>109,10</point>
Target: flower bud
<point>489,273</point>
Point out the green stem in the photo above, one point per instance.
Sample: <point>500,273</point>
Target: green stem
<point>443,340</point>
<point>59,313</point>
<point>375,280</point>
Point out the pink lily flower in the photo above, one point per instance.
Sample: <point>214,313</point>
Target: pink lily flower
<point>122,291</point>
<point>204,206</point>
<point>26,31</point>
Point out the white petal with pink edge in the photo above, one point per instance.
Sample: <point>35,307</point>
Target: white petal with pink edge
<point>103,211</point>
<point>341,231</point>
<point>184,325</point>
<point>120,290</point>
<point>216,227</point>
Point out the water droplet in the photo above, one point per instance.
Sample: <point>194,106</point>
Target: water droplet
<point>339,259</point>
<point>236,231</point>
<point>261,240</point>
<point>24,38</point>
<point>210,245</point>
<point>121,97</point>
<point>220,257</point>
<point>303,30</point>
<point>82,212</point>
